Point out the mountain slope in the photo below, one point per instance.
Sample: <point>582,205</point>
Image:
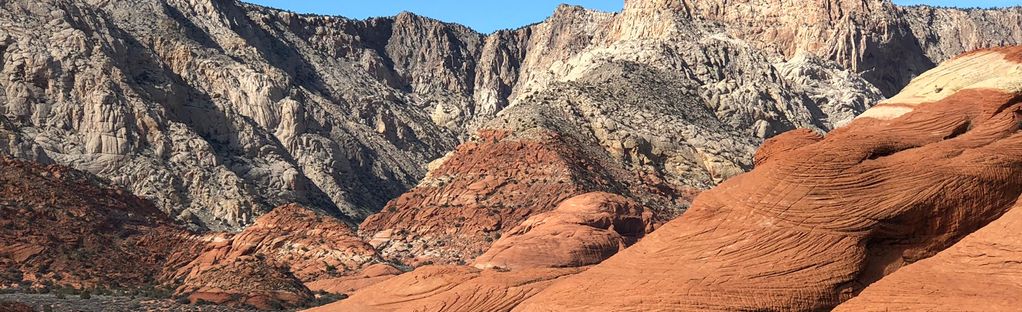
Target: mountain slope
<point>885,43</point>
<point>219,110</point>
<point>655,116</point>
<point>920,189</point>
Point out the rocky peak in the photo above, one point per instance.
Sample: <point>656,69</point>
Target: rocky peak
<point>886,44</point>
<point>647,19</point>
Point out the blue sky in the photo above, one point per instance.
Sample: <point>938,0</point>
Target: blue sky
<point>488,15</point>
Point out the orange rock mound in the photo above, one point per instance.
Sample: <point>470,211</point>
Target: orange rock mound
<point>582,230</point>
<point>814,225</point>
<point>246,280</point>
<point>482,188</point>
<point>312,245</point>
<point>268,263</point>
<point>348,284</point>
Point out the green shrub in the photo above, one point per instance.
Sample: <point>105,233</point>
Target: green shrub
<point>85,294</point>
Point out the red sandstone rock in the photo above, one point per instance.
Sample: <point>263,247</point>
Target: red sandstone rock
<point>982,272</point>
<point>246,280</point>
<point>484,187</point>
<point>313,246</point>
<point>64,227</point>
<point>783,143</point>
<point>582,230</point>
<point>813,226</point>
<point>266,264</point>
<point>348,284</point>
<point>451,288</point>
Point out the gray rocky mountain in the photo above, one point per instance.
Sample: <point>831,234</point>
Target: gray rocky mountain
<point>219,110</point>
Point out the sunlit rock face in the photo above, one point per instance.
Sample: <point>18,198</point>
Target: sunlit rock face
<point>819,220</point>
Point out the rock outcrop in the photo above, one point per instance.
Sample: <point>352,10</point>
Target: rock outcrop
<point>814,225</point>
<point>979,273</point>
<point>582,230</point>
<point>220,111</point>
<point>269,263</point>
<point>312,245</point>
<point>369,276</point>
<point>653,116</point>
<point>246,281</point>
<point>885,43</point>
<point>451,288</point>
<point>66,228</point>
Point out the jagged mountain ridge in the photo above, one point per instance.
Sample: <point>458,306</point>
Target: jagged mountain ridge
<point>219,110</point>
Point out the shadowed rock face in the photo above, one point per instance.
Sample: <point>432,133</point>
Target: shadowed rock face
<point>221,111</point>
<point>814,225</point>
<point>979,273</point>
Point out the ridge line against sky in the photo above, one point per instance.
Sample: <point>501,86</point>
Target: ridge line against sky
<point>487,16</point>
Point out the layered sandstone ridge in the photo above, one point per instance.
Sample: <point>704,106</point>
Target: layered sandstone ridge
<point>815,224</point>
